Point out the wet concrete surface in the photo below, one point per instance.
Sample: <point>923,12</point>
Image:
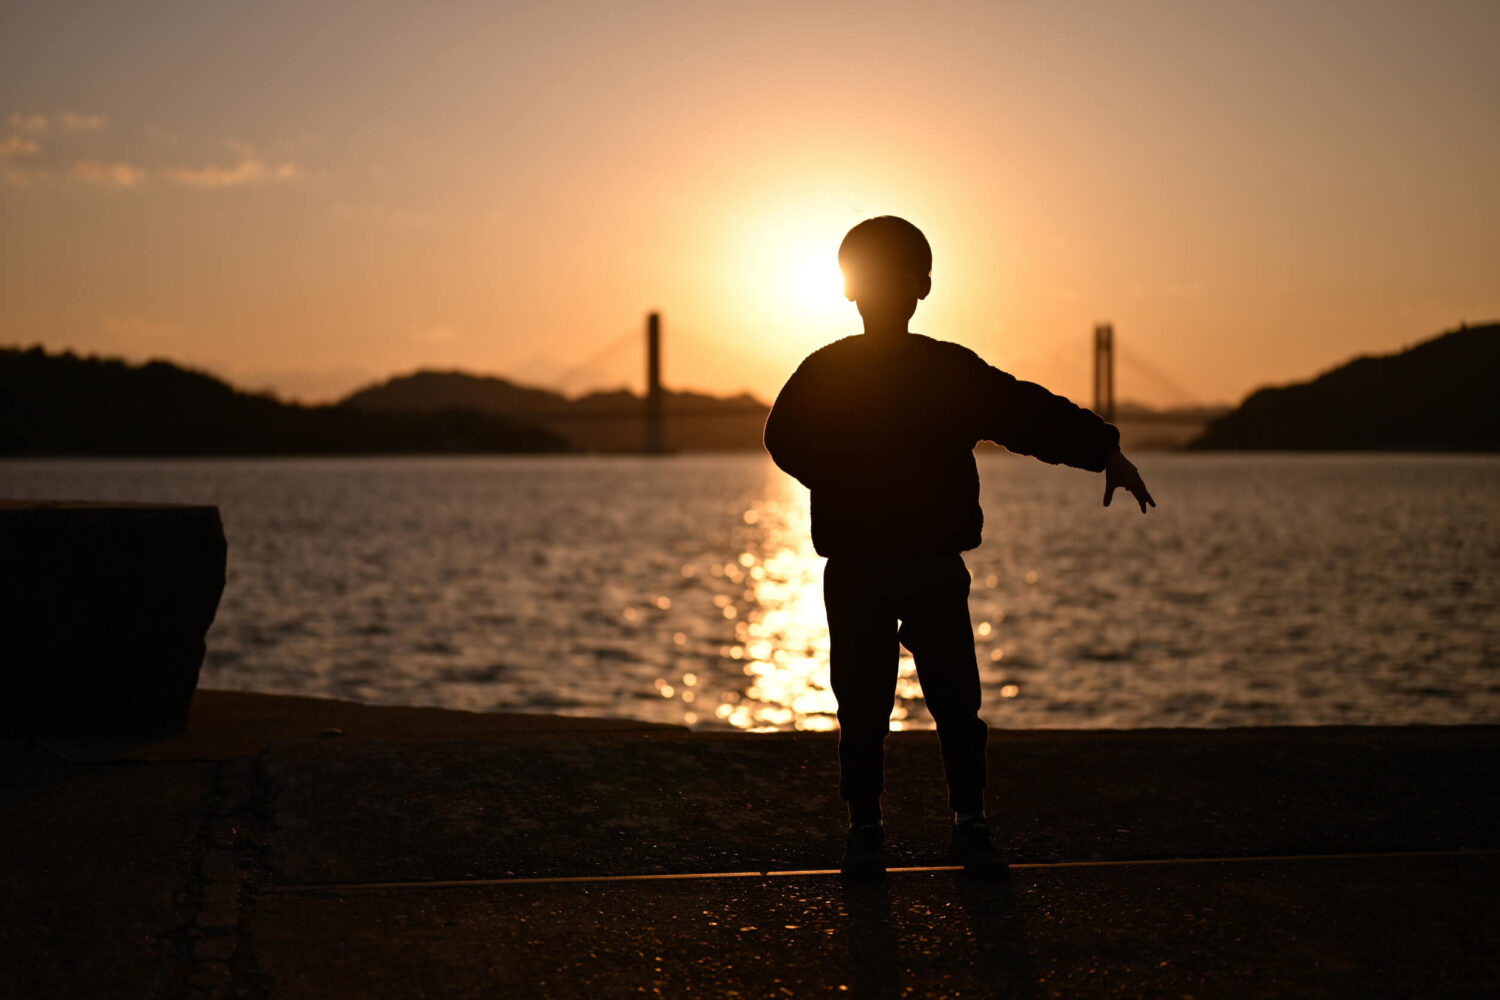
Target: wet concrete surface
<point>1340,928</point>
<point>199,866</point>
<point>673,801</point>
<point>99,873</point>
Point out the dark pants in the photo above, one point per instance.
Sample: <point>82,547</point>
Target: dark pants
<point>873,608</point>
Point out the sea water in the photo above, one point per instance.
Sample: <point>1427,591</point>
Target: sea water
<point>1263,590</point>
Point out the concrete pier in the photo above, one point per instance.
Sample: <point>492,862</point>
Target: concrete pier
<point>288,847</point>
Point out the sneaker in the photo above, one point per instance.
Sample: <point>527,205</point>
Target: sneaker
<point>972,849</point>
<point>863,853</point>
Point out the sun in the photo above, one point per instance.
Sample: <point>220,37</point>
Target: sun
<point>789,274</point>
<point>778,273</point>
<point>813,282</point>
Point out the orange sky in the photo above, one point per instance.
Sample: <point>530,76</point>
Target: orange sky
<point>308,197</point>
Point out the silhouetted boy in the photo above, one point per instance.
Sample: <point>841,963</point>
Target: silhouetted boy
<point>881,428</point>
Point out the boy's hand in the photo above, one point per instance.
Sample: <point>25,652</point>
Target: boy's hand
<point>1120,474</point>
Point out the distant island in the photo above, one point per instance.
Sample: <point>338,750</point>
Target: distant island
<point>1437,396</point>
<point>62,404</point>
<point>600,421</point>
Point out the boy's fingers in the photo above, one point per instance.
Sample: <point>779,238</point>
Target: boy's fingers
<point>1109,493</point>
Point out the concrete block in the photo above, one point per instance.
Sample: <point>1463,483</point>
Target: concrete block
<point>103,612</point>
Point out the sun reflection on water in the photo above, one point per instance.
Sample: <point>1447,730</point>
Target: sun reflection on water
<point>783,651</point>
<point>775,674</point>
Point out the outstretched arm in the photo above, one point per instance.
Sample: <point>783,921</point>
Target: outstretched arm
<point>1029,420</point>
<point>1119,473</point>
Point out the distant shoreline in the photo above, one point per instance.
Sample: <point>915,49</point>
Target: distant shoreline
<point>563,456</point>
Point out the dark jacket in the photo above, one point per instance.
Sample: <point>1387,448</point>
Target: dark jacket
<point>883,434</point>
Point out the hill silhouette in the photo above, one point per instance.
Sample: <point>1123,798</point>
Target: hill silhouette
<point>599,421</point>
<point>1436,396</point>
<point>67,405</point>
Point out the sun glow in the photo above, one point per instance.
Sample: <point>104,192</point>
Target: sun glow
<point>814,284</point>
<point>788,276</point>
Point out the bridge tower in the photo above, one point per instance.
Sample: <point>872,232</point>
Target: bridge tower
<point>654,442</point>
<point>1104,371</point>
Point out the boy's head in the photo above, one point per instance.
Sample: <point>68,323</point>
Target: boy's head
<point>885,258</point>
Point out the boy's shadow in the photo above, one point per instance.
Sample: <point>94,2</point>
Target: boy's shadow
<point>874,951</point>
<point>999,935</point>
<point>876,958</point>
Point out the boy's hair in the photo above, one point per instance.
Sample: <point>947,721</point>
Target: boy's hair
<point>885,248</point>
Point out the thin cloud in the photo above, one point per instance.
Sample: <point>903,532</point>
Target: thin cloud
<point>28,122</point>
<point>68,121</point>
<point>121,175</point>
<point>17,145</point>
<point>20,177</point>
<point>74,122</point>
<point>248,171</point>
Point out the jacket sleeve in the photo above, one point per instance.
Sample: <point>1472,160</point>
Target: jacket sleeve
<point>792,428</point>
<point>1026,418</point>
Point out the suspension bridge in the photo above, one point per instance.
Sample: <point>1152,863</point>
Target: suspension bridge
<point>652,411</point>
